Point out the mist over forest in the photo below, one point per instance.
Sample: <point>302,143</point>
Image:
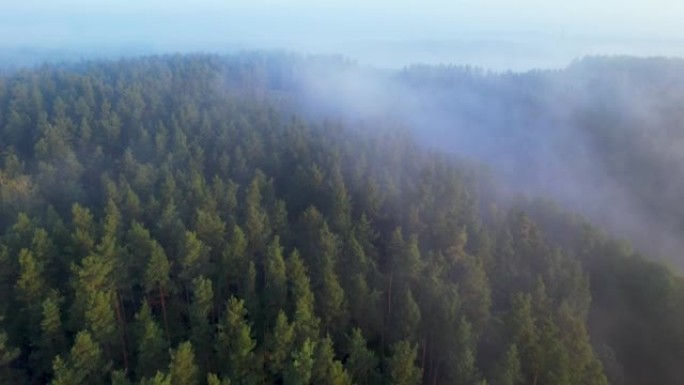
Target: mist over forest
<point>280,218</point>
<point>601,137</point>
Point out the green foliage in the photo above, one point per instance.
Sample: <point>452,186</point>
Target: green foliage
<point>401,365</point>
<point>158,379</point>
<point>361,363</point>
<point>201,310</point>
<point>52,340</point>
<point>99,317</point>
<point>275,291</point>
<point>326,369</point>
<point>508,371</point>
<point>193,257</point>
<point>301,296</point>
<point>235,345</point>
<point>152,347</point>
<point>279,345</point>
<point>299,369</point>
<point>7,353</point>
<point>183,368</point>
<point>119,378</point>
<point>213,379</point>
<point>84,228</point>
<point>30,283</point>
<point>83,365</point>
<point>406,317</point>
<point>158,269</point>
<point>140,199</point>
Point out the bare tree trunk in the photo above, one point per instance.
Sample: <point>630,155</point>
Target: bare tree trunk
<point>385,319</point>
<point>422,360</point>
<point>122,332</point>
<point>166,319</point>
<point>389,297</point>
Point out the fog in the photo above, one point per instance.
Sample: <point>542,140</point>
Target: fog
<point>602,137</point>
<point>495,34</point>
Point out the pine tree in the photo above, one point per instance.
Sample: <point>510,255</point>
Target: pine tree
<point>151,345</point>
<point>326,369</point>
<point>401,365</point>
<point>584,366</point>
<point>406,319</point>
<point>83,236</point>
<point>83,365</point>
<point>52,339</point>
<point>200,313</point>
<point>158,379</point>
<point>183,369</point>
<point>301,299</point>
<point>340,202</point>
<point>8,355</point>
<point>213,379</point>
<point>235,345</point>
<point>249,288</point>
<point>300,367</point>
<point>279,345</point>
<point>110,251</point>
<point>403,262</point>
<point>119,378</point>
<point>474,291</point>
<point>460,367</point>
<point>361,363</point>
<point>330,299</point>
<point>92,276</point>
<point>157,279</point>
<point>7,278</point>
<point>279,221</point>
<point>555,361</point>
<point>193,257</point>
<point>30,284</point>
<point>256,219</point>
<point>233,262</point>
<point>30,289</point>
<point>356,262</point>
<point>364,308</point>
<point>508,370</point>
<point>524,335</point>
<point>275,275</point>
<point>100,320</point>
<point>44,251</point>
<point>410,261</point>
<point>139,246</point>
<point>107,246</point>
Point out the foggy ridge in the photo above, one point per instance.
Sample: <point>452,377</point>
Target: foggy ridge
<point>602,137</point>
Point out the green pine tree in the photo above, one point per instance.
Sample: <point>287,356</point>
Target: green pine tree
<point>401,366</point>
<point>152,347</point>
<point>183,368</point>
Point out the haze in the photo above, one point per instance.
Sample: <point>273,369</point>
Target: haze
<point>495,34</point>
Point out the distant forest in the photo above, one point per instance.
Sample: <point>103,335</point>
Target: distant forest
<point>196,219</point>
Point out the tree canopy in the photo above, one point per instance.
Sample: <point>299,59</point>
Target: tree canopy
<point>170,220</point>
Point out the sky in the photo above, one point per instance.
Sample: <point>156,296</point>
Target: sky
<point>490,33</point>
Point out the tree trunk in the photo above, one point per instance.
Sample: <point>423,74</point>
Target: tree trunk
<point>389,297</point>
<point>166,320</point>
<point>422,360</point>
<point>385,320</point>
<point>122,332</point>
